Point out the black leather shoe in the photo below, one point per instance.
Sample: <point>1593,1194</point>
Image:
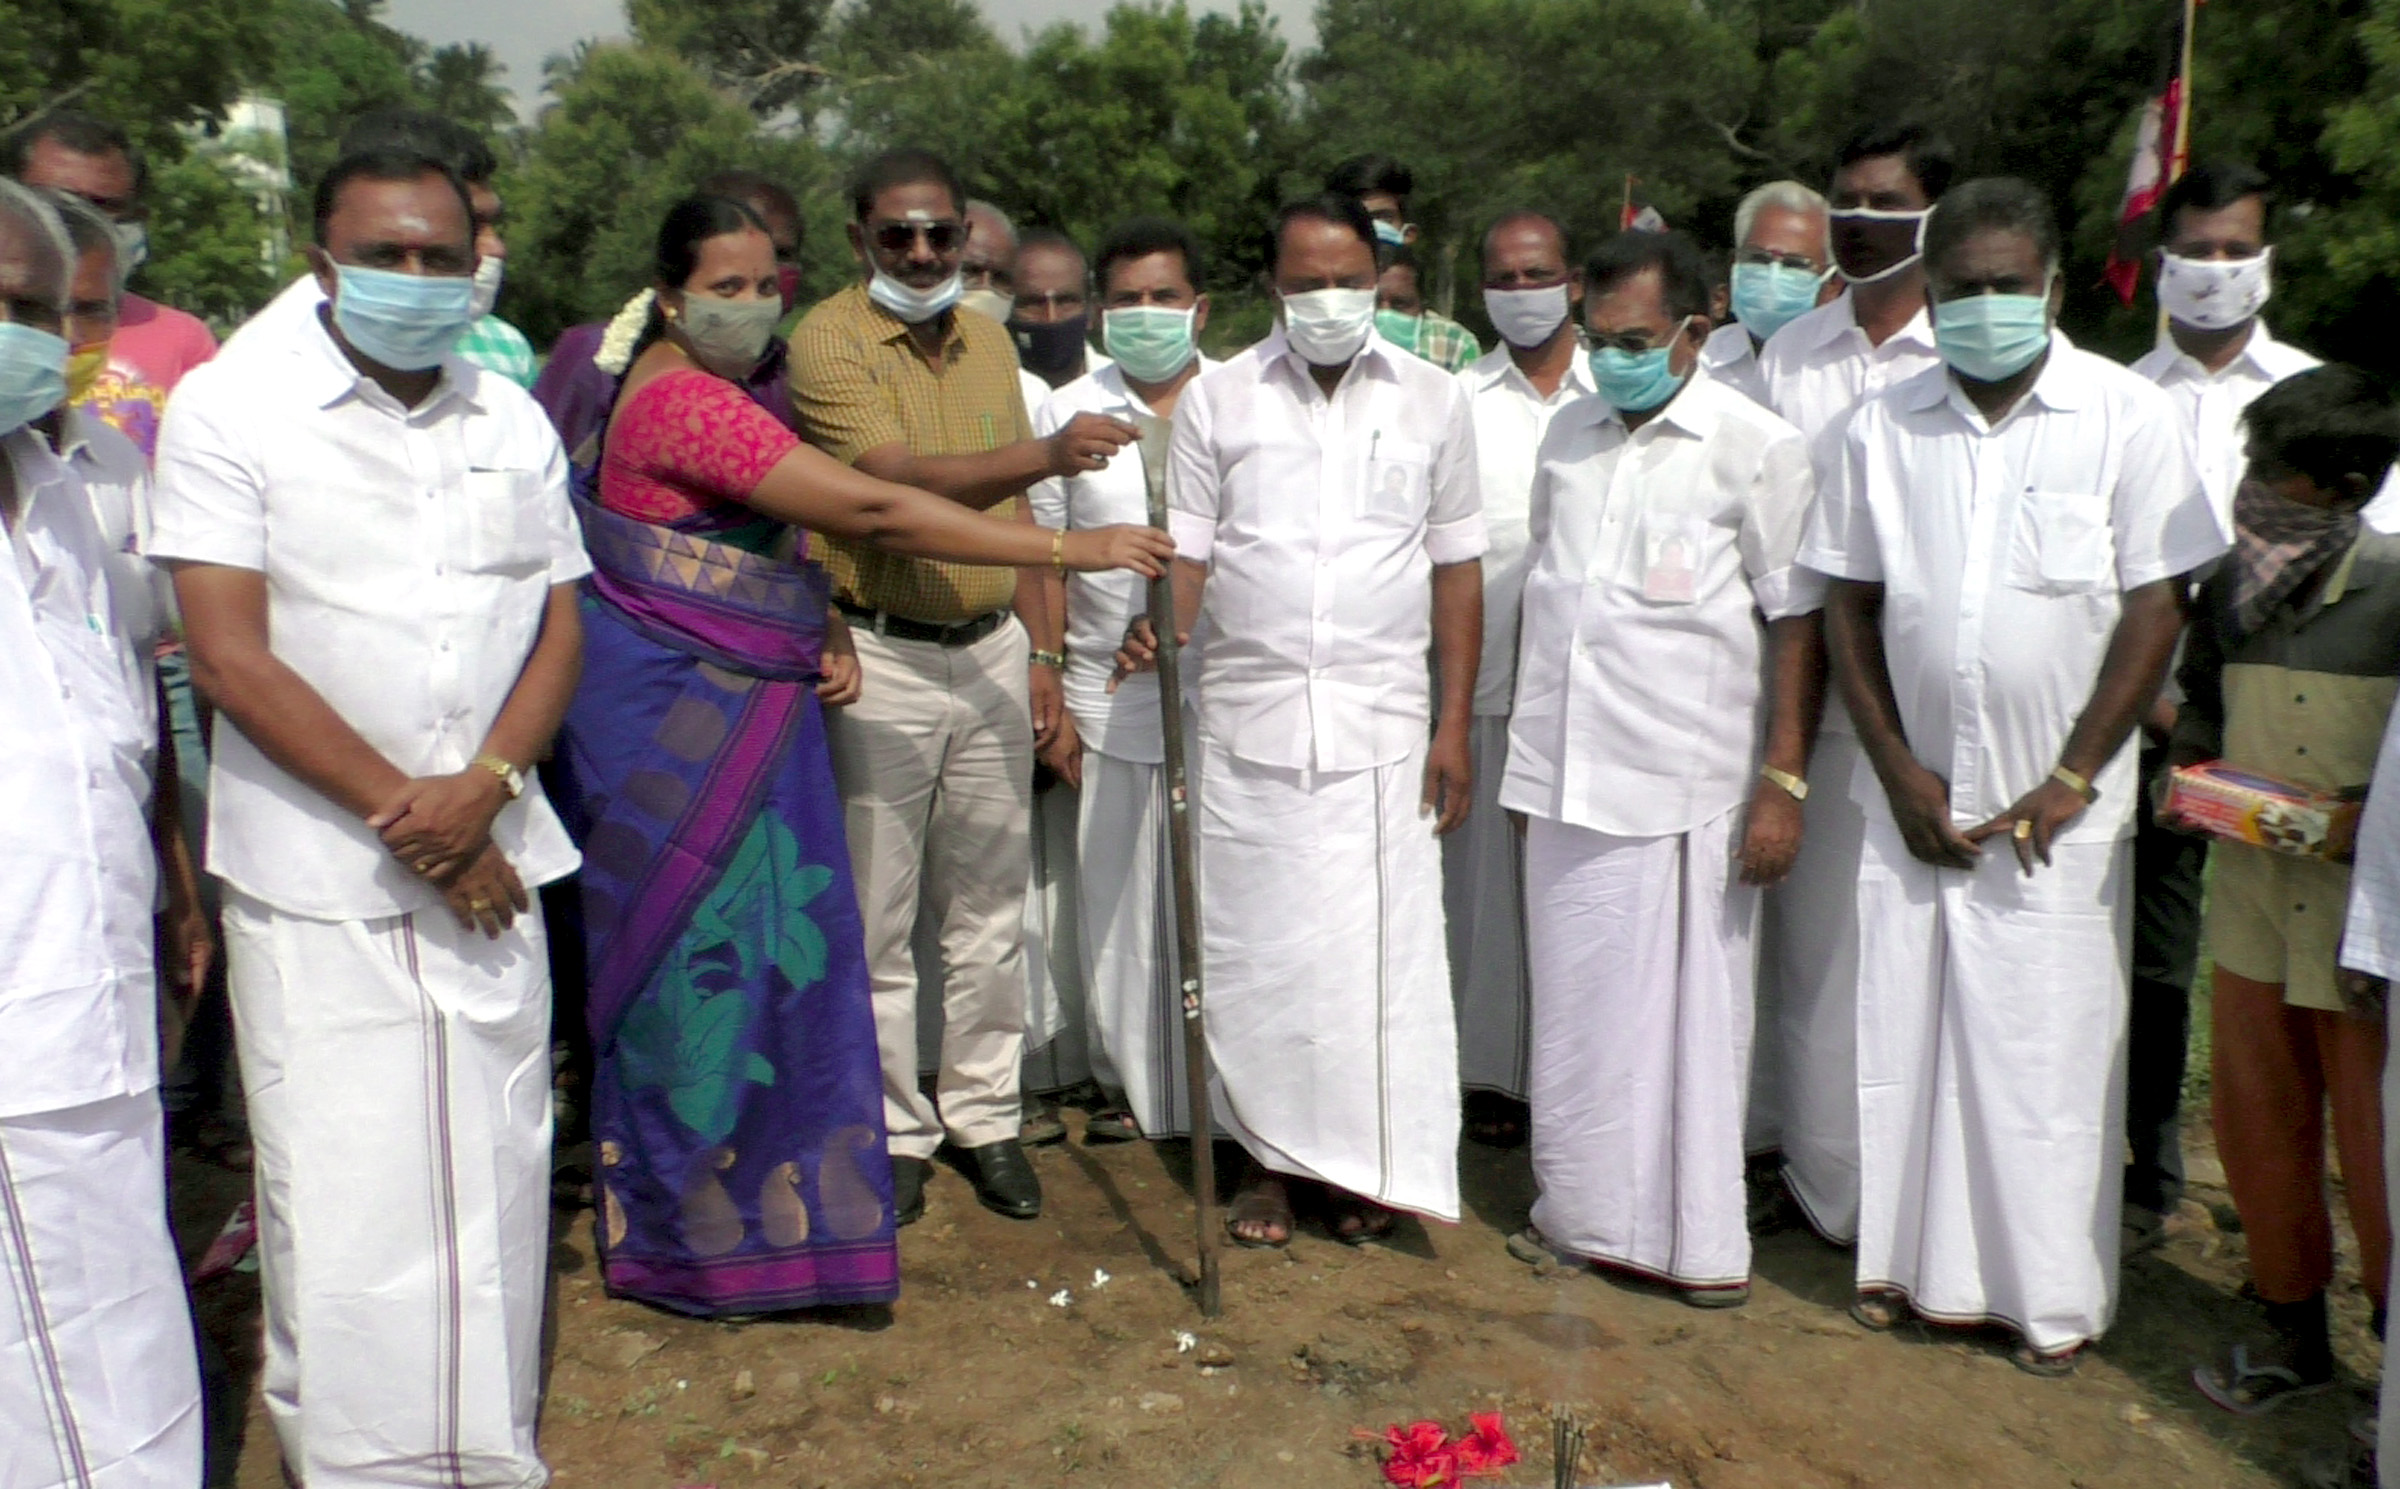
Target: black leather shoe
<point>908,1189</point>
<point>1004,1180</point>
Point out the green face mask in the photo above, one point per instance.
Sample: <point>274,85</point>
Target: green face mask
<point>1400,330</point>
<point>1151,342</point>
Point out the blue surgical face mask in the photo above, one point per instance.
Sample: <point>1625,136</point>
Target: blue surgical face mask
<point>1390,234</point>
<point>1768,297</point>
<point>33,374</point>
<point>407,322</point>
<point>1637,382</point>
<point>1151,342</point>
<point>1990,337</point>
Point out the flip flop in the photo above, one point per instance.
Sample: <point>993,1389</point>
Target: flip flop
<point>2249,1389</point>
<point>1256,1205</point>
<point>1879,1312</point>
<point>1116,1125</point>
<point>2056,1364</point>
<point>1360,1222</point>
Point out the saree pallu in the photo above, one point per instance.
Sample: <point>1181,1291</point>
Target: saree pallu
<point>738,1104</point>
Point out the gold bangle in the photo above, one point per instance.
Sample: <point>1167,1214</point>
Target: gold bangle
<point>1792,784</point>
<point>2074,781</point>
<point>1058,551</point>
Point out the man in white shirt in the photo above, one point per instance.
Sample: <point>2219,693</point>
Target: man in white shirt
<point>1513,392</point>
<point>1322,487</point>
<point>1782,269</point>
<point>2213,359</point>
<point>98,1383</point>
<point>1817,369</point>
<point>1660,781</point>
<point>377,562</point>
<point>2024,521</point>
<point>1109,747</point>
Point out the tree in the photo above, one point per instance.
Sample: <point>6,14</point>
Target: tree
<point>629,129</point>
<point>156,65</point>
<point>212,243</point>
<point>760,49</point>
<point>462,82</point>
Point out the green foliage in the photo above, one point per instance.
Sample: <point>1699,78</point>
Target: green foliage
<point>156,65</point>
<point>630,128</point>
<point>211,260</point>
<point>462,82</point>
<point>760,48</point>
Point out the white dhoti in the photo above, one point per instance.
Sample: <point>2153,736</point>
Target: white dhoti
<point>1060,1050</point>
<point>398,1073</point>
<point>1483,900</point>
<point>1808,997</point>
<point>99,1387</point>
<point>1643,955</point>
<point>1328,1011</point>
<point>1127,894</point>
<point>1991,1069</point>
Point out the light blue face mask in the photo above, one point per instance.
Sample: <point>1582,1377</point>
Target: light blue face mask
<point>1151,342</point>
<point>407,322</point>
<point>1637,382</point>
<point>1768,297</point>
<point>33,374</point>
<point>1990,337</point>
<point>1390,234</point>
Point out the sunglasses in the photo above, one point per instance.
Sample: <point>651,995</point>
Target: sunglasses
<point>940,237</point>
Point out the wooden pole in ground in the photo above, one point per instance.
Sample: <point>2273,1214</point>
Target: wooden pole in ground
<point>1183,868</point>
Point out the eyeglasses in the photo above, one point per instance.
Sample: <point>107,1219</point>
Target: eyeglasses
<point>1631,343</point>
<point>940,237</point>
<point>1779,260</point>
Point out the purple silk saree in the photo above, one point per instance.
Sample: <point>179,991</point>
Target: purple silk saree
<point>738,1105</point>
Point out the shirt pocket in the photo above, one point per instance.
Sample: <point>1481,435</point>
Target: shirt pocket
<point>505,533</point>
<point>1399,481</point>
<point>2064,543</point>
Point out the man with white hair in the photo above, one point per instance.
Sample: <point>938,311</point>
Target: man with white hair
<point>98,1381</point>
<point>1781,270</point>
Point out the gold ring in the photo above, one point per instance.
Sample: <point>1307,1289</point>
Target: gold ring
<point>479,906</point>
<point>2024,829</point>
<point>424,865</point>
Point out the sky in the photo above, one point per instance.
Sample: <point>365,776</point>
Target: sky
<point>523,32</point>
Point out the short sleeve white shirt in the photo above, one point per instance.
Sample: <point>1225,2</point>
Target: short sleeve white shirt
<point>409,555</point>
<point>2005,551</point>
<point>1654,555</point>
<point>1510,420</point>
<point>115,476</point>
<point>2209,404</point>
<point>78,1003</point>
<point>1321,520</point>
<point>1821,366</point>
<point>1125,723</point>
<point>1731,357</point>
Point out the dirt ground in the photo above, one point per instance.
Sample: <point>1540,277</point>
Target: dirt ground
<point>976,1376</point>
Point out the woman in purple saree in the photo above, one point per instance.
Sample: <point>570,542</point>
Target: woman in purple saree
<point>738,1107</point>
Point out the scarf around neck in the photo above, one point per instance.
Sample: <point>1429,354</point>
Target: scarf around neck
<point>2278,546</point>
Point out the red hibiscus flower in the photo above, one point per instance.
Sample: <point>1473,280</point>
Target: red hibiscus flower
<point>1424,1457</point>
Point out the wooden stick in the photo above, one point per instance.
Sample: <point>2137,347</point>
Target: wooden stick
<point>1183,869</point>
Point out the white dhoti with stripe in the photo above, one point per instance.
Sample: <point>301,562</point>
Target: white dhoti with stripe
<point>1483,900</point>
<point>99,1388</point>
<point>1060,1048</point>
<point>398,1073</point>
<point>1643,955</point>
<point>1128,919</point>
<point>1991,1068</point>
<point>1328,1012</point>
<point>1808,997</point>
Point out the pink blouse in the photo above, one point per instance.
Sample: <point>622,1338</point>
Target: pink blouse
<point>684,442</point>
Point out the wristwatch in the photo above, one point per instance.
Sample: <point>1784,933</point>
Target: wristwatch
<point>2077,782</point>
<point>1052,659</point>
<point>1784,778</point>
<point>510,776</point>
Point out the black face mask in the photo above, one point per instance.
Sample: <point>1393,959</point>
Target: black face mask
<point>1052,352</point>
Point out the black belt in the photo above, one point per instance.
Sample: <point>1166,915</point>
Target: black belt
<point>940,633</point>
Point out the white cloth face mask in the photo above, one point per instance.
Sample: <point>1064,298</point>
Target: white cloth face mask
<point>2214,294</point>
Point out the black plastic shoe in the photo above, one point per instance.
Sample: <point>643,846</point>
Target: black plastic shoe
<point>908,1189</point>
<point>1004,1180</point>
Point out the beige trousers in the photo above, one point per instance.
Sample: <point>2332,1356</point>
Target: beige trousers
<point>935,762</point>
